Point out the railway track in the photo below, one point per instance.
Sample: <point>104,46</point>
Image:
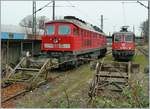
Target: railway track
<point>19,89</point>
<point>109,51</point>
<point>12,92</point>
<point>111,77</point>
<point>26,76</point>
<point>144,51</point>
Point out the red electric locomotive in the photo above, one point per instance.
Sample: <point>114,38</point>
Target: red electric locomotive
<point>72,39</point>
<point>123,44</point>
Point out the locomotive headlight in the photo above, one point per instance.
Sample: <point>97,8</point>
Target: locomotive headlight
<point>55,40</point>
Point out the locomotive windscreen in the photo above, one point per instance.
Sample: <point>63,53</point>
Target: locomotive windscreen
<point>125,37</point>
<point>64,30</point>
<point>128,38</point>
<point>117,38</point>
<point>50,29</point>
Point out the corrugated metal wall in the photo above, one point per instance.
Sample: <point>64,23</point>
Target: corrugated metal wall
<point>15,52</point>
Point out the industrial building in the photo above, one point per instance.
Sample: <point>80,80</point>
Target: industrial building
<point>16,41</point>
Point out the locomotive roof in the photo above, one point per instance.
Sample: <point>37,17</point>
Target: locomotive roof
<point>129,32</point>
<point>78,23</point>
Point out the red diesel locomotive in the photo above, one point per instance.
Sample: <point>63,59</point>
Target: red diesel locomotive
<point>72,39</point>
<point>123,44</point>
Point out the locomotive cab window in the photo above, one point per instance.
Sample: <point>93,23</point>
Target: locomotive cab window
<point>75,32</point>
<point>64,30</point>
<point>129,38</point>
<point>117,38</point>
<point>50,30</point>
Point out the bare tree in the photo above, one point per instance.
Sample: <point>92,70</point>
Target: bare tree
<point>27,22</point>
<point>41,21</point>
<point>144,28</point>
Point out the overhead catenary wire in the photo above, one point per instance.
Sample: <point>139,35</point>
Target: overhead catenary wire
<point>47,5</point>
<point>142,4</point>
<point>82,12</point>
<point>43,7</point>
<point>147,7</point>
<point>71,5</point>
<point>62,6</point>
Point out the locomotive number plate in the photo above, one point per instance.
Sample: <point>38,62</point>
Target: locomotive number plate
<point>48,45</point>
<point>57,45</point>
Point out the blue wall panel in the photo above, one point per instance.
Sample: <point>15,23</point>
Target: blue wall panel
<point>6,35</point>
<point>19,36</point>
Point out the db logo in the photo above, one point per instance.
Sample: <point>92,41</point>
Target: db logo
<point>55,40</point>
<point>123,44</point>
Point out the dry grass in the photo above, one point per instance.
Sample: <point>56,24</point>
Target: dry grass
<point>70,82</point>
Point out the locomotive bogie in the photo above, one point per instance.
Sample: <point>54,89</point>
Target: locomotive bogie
<point>122,54</point>
<point>75,58</point>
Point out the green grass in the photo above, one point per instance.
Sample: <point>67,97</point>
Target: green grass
<point>103,102</point>
<point>140,59</point>
<point>109,58</point>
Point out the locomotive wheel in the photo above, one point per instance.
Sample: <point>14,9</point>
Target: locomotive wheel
<point>62,67</point>
<point>76,63</point>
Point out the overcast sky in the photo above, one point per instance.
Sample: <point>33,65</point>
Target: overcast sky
<point>116,13</point>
